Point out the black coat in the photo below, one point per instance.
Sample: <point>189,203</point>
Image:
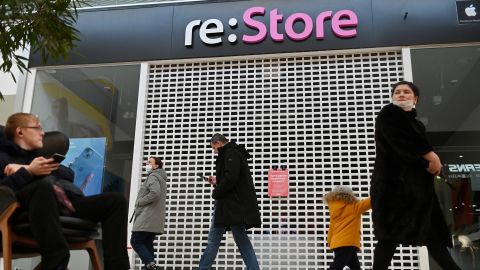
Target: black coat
<point>405,208</point>
<point>12,153</point>
<point>235,193</point>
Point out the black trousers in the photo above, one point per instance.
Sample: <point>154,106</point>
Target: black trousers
<point>111,210</point>
<point>345,256</point>
<point>384,251</point>
<point>142,243</point>
<point>108,208</point>
<point>41,202</point>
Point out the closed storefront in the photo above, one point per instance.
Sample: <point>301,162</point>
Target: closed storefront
<point>299,84</point>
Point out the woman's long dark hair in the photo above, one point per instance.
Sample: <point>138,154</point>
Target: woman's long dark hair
<point>158,161</point>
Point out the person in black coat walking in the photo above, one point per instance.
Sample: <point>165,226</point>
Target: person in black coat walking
<point>405,208</point>
<point>236,205</point>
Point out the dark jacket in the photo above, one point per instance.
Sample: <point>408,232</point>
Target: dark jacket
<point>235,193</point>
<point>405,208</point>
<point>12,153</point>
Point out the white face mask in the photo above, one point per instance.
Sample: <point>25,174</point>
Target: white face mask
<point>148,168</point>
<point>406,105</point>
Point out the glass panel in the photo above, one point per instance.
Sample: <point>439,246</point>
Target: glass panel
<point>99,102</point>
<point>449,80</point>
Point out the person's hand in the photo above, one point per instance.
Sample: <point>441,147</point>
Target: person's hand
<point>434,163</point>
<point>212,180</point>
<point>12,168</point>
<point>41,166</point>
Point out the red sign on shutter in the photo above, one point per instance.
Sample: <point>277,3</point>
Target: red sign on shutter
<point>278,183</point>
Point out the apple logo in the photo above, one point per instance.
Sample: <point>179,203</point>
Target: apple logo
<point>470,11</point>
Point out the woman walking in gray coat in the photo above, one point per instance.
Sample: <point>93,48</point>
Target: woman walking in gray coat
<point>150,212</point>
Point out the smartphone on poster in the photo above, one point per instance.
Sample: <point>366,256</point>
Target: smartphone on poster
<point>88,169</point>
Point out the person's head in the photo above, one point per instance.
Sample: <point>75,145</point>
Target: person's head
<point>154,163</point>
<point>217,141</point>
<point>340,193</point>
<point>60,108</point>
<point>405,95</point>
<point>24,130</point>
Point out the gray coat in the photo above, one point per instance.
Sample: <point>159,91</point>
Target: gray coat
<point>150,204</point>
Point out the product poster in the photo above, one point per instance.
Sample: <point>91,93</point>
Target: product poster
<point>86,157</point>
<point>278,183</point>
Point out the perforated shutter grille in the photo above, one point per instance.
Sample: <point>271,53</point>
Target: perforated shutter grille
<point>313,114</point>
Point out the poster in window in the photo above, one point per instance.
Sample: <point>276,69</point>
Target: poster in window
<point>86,157</point>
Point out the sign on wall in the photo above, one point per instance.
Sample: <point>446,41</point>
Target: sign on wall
<point>468,11</point>
<point>278,183</point>
<point>298,26</point>
<point>264,27</point>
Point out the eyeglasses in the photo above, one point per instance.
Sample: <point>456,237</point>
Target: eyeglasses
<point>37,128</point>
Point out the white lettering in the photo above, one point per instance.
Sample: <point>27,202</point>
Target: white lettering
<point>209,28</point>
<point>464,168</point>
<point>189,32</point>
<point>469,167</point>
<point>452,168</point>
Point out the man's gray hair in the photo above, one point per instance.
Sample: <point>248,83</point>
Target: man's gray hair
<point>217,137</point>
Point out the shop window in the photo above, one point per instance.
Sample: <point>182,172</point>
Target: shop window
<point>96,107</point>
<point>450,108</point>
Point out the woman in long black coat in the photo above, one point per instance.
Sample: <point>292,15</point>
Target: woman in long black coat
<point>405,208</point>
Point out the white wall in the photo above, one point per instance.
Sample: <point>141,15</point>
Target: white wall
<point>8,87</point>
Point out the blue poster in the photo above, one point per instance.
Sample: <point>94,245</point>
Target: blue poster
<point>86,157</point>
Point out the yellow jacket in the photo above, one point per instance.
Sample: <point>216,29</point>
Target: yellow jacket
<point>345,221</point>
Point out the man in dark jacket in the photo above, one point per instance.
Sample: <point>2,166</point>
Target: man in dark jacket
<point>33,178</point>
<point>405,208</point>
<point>236,205</point>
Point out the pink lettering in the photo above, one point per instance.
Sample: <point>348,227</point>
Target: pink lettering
<point>343,25</point>
<point>275,18</point>
<point>321,18</point>
<point>350,20</point>
<point>253,24</point>
<point>307,31</point>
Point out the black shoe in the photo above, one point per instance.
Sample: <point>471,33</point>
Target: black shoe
<point>153,267</point>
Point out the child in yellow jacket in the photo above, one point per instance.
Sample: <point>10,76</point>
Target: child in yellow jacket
<point>344,230</point>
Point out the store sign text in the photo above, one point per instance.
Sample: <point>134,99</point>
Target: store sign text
<point>211,31</point>
<point>464,167</point>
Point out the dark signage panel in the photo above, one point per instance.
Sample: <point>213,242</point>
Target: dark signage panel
<point>257,27</point>
<point>409,22</point>
<point>120,35</point>
<point>468,11</point>
<point>216,29</point>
